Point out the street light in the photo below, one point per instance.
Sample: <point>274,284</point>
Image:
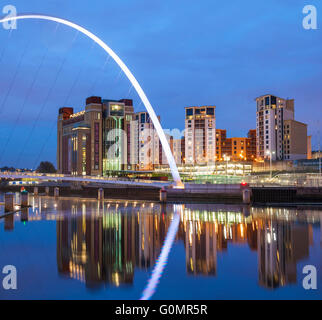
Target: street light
<point>226,158</point>
<point>269,153</point>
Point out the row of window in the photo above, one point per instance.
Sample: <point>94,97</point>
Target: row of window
<point>199,111</point>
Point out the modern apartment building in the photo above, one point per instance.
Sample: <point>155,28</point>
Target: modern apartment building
<point>275,117</point>
<point>200,135</point>
<point>271,114</point>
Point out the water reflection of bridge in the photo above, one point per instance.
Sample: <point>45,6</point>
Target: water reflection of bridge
<point>104,243</point>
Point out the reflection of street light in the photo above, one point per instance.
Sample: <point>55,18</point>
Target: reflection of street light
<point>269,153</point>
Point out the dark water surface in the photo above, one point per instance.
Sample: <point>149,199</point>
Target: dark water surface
<point>84,249</point>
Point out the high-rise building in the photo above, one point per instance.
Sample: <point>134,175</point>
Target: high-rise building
<point>271,114</point>
<point>200,135</point>
<point>279,136</point>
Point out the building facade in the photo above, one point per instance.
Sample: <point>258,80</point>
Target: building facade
<point>179,150</point>
<point>237,149</point>
<point>117,115</point>
<point>275,117</point>
<point>145,143</point>
<point>252,148</point>
<point>162,155</point>
<point>271,114</point>
<point>94,141</point>
<point>295,140</point>
<point>200,135</point>
<point>221,136</point>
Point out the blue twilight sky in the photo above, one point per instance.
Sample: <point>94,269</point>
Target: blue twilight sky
<point>184,53</point>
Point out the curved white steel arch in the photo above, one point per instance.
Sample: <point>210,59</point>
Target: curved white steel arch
<point>130,76</point>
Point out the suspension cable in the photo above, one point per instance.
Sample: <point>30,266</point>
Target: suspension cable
<point>44,104</point>
<point>66,100</point>
<point>78,76</point>
<point>31,87</point>
<point>14,78</point>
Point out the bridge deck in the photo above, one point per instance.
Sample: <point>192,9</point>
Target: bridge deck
<point>99,180</point>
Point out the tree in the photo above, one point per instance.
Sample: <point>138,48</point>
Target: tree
<point>46,167</point>
<point>6,168</point>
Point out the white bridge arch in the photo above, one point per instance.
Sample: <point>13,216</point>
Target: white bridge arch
<point>128,73</point>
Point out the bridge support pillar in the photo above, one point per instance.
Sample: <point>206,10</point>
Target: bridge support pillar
<point>56,192</point>
<point>35,191</point>
<point>163,195</point>
<point>100,195</point>
<point>246,196</point>
<point>47,191</point>
<point>24,199</point>
<point>9,202</point>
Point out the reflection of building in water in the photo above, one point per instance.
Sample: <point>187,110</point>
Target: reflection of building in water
<point>200,242</point>
<point>9,223</point>
<point>280,246</point>
<point>151,230</point>
<point>321,228</point>
<point>118,254</point>
<point>204,232</point>
<point>252,235</point>
<point>101,244</point>
<point>106,248</point>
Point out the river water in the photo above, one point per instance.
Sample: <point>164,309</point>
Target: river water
<point>85,249</point>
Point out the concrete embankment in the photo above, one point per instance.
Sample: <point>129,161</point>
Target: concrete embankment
<point>287,195</point>
<point>192,192</point>
<point>207,193</point>
<point>220,193</point>
<point>87,191</point>
<point>236,193</point>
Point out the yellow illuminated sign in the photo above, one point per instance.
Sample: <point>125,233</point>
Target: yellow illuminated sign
<point>75,115</point>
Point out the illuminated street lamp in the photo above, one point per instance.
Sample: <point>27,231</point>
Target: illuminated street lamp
<point>269,153</point>
<point>226,158</point>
